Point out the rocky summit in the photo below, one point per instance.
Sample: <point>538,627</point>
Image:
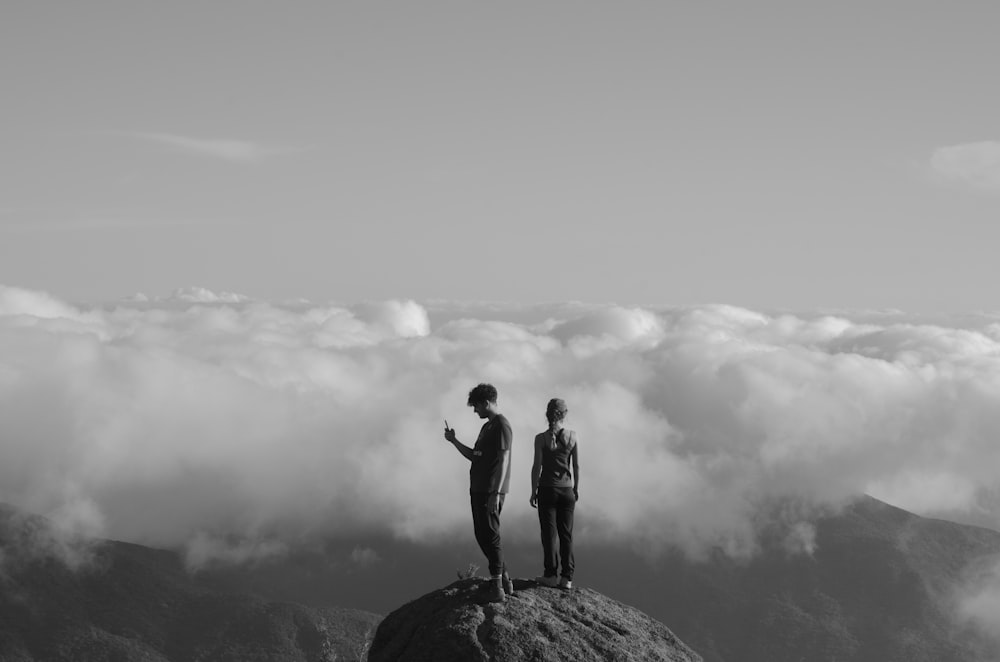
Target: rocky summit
<point>536,624</point>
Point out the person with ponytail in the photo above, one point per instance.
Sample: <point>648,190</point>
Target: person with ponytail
<point>555,489</point>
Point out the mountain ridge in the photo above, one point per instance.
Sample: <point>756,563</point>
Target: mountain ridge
<point>122,601</point>
<point>880,586</point>
<point>876,584</point>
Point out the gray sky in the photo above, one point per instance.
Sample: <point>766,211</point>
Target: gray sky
<point>766,154</point>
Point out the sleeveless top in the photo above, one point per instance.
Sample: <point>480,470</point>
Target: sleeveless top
<point>557,467</point>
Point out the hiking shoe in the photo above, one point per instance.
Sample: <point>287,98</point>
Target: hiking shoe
<point>494,592</point>
<point>551,582</point>
<point>508,585</point>
<point>565,584</point>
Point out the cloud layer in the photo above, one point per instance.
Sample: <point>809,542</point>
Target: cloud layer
<point>241,428</point>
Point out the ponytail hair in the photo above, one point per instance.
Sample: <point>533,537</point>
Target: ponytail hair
<point>555,412</point>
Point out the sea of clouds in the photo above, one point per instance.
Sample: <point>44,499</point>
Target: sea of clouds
<point>238,428</point>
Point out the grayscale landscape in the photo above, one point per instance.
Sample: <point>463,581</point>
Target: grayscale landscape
<point>254,257</point>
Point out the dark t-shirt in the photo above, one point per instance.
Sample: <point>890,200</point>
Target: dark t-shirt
<point>494,437</point>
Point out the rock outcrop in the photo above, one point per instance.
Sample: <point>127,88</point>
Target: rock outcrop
<point>536,624</point>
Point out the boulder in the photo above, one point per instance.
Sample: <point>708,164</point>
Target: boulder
<point>536,624</point>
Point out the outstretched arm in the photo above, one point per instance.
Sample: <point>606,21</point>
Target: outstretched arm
<point>449,434</point>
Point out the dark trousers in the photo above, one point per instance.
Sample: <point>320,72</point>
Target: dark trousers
<point>487,528</point>
<point>555,515</point>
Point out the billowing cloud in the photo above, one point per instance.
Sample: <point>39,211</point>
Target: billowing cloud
<point>204,549</point>
<point>68,534</point>
<point>976,164</point>
<point>405,319</point>
<point>240,428</point>
<point>16,301</point>
<point>976,601</point>
<point>203,295</point>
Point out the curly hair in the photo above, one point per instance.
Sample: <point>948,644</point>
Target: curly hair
<point>482,393</point>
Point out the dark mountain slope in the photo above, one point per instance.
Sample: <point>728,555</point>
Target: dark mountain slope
<point>73,599</point>
<point>879,587</point>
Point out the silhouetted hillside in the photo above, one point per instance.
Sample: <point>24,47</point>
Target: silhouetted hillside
<point>78,600</point>
<point>878,587</point>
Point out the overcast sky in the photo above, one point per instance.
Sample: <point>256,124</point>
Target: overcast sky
<point>769,154</point>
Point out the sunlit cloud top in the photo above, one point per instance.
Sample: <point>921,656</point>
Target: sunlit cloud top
<point>199,416</point>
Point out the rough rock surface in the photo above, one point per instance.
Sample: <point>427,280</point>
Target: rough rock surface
<point>536,624</point>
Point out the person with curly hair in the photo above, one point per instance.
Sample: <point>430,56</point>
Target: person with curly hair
<point>489,480</point>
